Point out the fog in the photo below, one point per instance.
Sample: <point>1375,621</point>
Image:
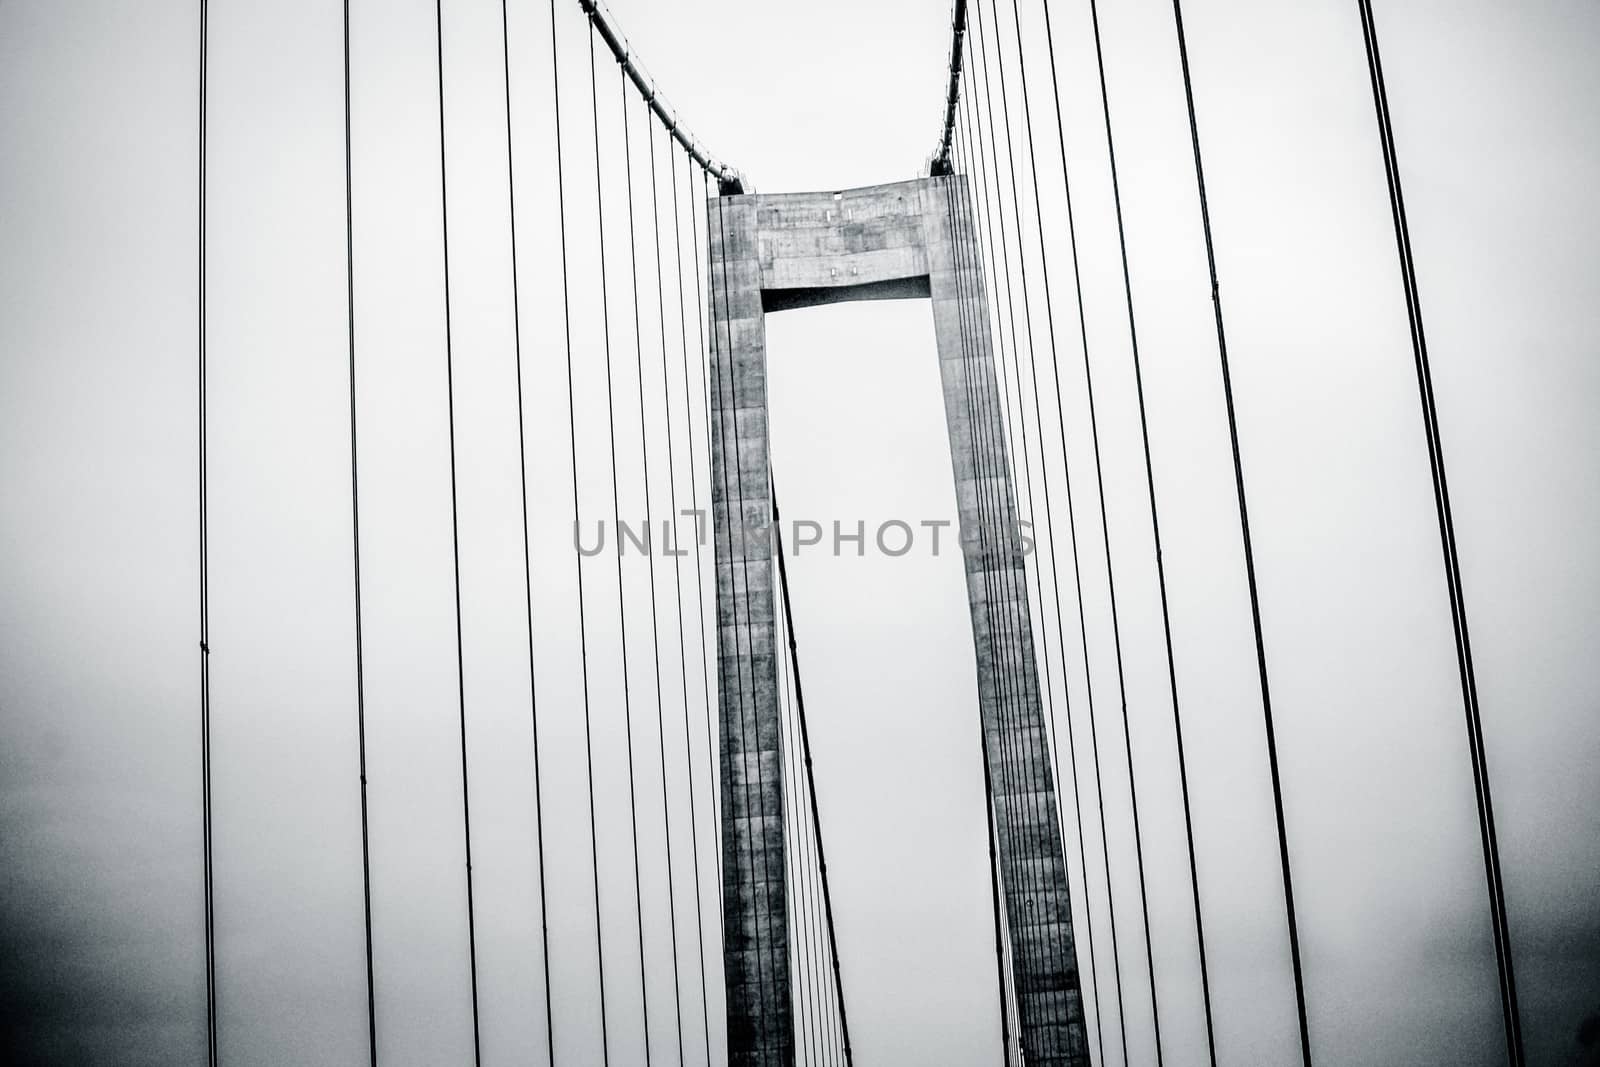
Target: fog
<point>101,937</point>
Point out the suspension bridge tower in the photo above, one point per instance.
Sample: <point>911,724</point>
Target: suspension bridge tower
<point>770,252</point>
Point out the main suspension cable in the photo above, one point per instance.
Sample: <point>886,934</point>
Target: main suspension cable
<point>601,21</point>
<point>1244,512</point>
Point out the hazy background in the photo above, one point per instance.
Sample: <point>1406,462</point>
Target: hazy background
<point>100,923</point>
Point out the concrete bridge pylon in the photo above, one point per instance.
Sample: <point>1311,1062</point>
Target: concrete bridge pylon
<point>769,252</point>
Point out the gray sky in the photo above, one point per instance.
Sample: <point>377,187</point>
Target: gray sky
<point>100,947</point>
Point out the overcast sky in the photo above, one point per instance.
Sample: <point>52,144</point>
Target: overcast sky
<point>101,956</point>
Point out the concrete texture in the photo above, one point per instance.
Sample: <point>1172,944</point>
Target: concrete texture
<point>769,252</point>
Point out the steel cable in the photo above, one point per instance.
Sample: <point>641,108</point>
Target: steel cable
<point>1430,420</point>
<point>1244,512</point>
<point>455,535</point>
<point>572,455</point>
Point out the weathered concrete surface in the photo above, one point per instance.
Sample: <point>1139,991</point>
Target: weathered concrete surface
<point>767,252</point>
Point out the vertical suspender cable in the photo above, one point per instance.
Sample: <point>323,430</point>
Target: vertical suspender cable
<point>980,414</point>
<point>1009,1007</point>
<point>943,157</point>
<point>527,552</point>
<point>1452,563</point>
<point>1166,617</point>
<point>796,873</point>
<point>994,888</point>
<point>701,313</point>
<point>616,519</point>
<point>694,477</point>
<point>714,803</point>
<point>694,495</point>
<point>670,528</point>
<point>812,889</point>
<point>1244,518</point>
<point>1083,333</point>
<point>1116,629</point>
<point>1088,911</point>
<point>205,560</point>
<point>583,634</point>
<point>1067,476</point>
<point>1047,705</point>
<point>455,536</point>
<point>825,1030</point>
<point>1045,472</point>
<point>799,900</point>
<point>1004,273</point>
<point>982,404</point>
<point>650,559</point>
<point>1012,754</point>
<point>355,552</point>
<point>823,993</point>
<point>957,243</point>
<point>1161,585</point>
<point>1050,323</point>
<point>811,780</point>
<point>798,970</point>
